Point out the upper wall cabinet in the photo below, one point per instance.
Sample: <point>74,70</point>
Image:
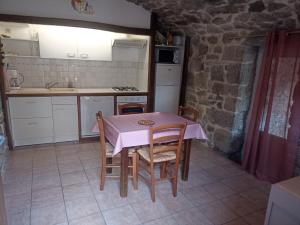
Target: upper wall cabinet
<point>75,43</point>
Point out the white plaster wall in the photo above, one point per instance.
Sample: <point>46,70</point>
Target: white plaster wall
<point>117,12</point>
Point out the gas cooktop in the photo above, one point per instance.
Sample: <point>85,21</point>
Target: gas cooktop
<point>125,88</point>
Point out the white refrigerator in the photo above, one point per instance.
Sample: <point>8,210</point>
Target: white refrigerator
<point>167,87</point>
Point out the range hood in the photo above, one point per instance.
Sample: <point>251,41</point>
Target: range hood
<point>130,43</point>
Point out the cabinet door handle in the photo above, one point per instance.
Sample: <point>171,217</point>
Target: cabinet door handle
<point>84,56</point>
<point>32,123</point>
<point>60,109</point>
<point>71,55</point>
<point>169,69</point>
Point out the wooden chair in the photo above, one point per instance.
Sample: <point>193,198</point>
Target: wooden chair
<point>106,150</point>
<point>164,149</point>
<point>188,113</point>
<point>132,108</point>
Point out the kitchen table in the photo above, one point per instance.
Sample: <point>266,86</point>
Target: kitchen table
<point>123,132</point>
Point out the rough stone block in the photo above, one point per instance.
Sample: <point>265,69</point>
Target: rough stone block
<point>217,73</point>
<point>230,104</point>
<point>222,140</point>
<point>221,118</point>
<point>233,53</point>
<point>233,73</point>
<point>257,6</point>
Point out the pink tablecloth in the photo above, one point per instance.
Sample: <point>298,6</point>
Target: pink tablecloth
<point>124,130</point>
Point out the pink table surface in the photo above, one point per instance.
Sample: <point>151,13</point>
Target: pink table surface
<point>124,131</point>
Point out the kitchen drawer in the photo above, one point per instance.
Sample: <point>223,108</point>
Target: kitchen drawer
<point>32,131</point>
<point>168,74</point>
<point>30,107</point>
<point>64,100</point>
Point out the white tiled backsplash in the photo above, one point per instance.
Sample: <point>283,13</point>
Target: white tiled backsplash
<point>82,74</point>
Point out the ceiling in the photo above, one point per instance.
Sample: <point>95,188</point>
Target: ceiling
<point>215,16</point>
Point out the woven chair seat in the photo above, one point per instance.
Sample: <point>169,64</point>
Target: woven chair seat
<point>158,157</point>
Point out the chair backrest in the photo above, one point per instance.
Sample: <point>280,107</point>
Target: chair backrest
<point>166,138</point>
<point>102,133</point>
<point>188,113</point>
<point>132,108</point>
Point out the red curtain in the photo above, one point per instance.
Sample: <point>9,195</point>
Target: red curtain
<point>273,128</point>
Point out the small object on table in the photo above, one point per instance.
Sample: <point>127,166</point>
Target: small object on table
<point>146,122</point>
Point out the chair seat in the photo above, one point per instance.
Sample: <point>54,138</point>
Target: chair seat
<point>158,157</point>
<point>110,150</point>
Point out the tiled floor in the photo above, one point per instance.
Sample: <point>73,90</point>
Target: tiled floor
<point>59,185</point>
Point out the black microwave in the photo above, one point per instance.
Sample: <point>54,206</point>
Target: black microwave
<point>166,55</point>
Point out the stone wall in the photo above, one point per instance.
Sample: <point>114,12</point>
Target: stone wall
<point>224,58</point>
<point>221,86</point>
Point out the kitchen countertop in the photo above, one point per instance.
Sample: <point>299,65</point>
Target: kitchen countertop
<point>70,92</point>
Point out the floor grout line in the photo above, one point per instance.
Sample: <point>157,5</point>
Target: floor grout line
<point>62,191</point>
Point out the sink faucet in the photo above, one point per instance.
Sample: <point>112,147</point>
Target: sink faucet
<point>51,84</point>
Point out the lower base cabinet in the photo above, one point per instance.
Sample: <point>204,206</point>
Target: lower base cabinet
<point>65,120</point>
<point>40,120</point>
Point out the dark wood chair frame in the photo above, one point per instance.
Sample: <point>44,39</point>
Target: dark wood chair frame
<point>161,144</point>
<point>107,162</point>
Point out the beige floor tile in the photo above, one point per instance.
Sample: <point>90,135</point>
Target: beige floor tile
<point>218,190</point>
<point>257,218</point>
<point>195,179</point>
<point>239,221</point>
<point>191,217</point>
<point>198,196</point>
<point>17,176</point>
<point>224,171</point>
<point>175,204</point>
<point>44,162</point>
<point>240,205</point>
<point>110,199</point>
<point>70,167</point>
<point>17,188</point>
<point>47,197</point>
<point>93,174</point>
<point>43,182</point>
<point>46,171</point>
<point>50,215</point>
<point>259,197</point>
<point>73,178</point>
<point>147,210</point>
<point>81,207</point>
<point>68,158</point>
<point>88,154</point>
<point>121,216</point>
<point>22,218</point>
<point>90,163</point>
<point>95,219</point>
<point>18,203</point>
<point>163,221</point>
<point>218,213</point>
<point>76,191</point>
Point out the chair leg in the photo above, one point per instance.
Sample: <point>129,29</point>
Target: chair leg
<point>134,170</point>
<point>174,179</point>
<point>163,170</point>
<point>152,182</point>
<point>103,174</point>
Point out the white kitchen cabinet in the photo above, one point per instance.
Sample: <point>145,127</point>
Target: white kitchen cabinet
<point>31,120</point>
<point>94,45</point>
<point>284,203</point>
<point>75,43</point>
<point>30,107</point>
<point>31,131</point>
<point>65,118</point>
<point>57,42</point>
